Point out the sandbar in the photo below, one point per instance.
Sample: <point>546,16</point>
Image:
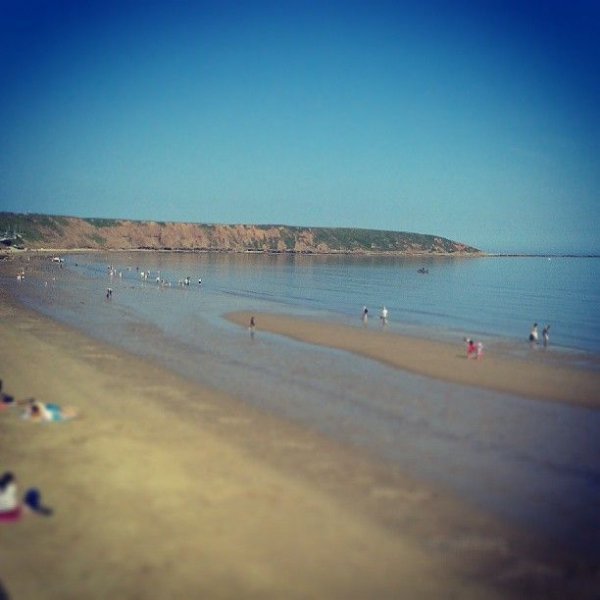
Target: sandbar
<point>534,378</point>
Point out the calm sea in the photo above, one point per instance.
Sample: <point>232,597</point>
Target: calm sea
<point>489,298</point>
<point>534,463</point>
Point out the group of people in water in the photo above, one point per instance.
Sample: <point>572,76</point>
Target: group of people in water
<point>534,336</point>
<point>383,316</point>
<point>145,275</point>
<point>474,349</point>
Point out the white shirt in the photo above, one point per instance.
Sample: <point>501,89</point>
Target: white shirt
<point>8,498</point>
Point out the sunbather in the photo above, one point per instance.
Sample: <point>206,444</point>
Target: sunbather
<point>10,507</point>
<point>41,411</point>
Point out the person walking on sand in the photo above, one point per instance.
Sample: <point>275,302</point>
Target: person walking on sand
<point>546,335</point>
<point>365,315</point>
<point>533,334</point>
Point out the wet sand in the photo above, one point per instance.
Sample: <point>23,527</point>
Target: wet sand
<point>532,378</point>
<point>165,489</point>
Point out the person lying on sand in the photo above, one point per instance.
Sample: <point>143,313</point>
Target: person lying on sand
<point>40,411</point>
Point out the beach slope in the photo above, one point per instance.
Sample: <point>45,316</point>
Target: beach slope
<point>157,495</point>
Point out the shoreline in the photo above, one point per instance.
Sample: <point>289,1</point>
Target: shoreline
<point>563,352</point>
<point>417,255</point>
<point>532,379</point>
<point>13,250</point>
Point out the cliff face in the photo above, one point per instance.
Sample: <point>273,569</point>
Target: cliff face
<point>52,232</point>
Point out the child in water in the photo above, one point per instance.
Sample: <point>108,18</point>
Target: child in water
<point>471,348</point>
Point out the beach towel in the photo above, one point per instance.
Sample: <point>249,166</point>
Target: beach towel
<point>53,412</point>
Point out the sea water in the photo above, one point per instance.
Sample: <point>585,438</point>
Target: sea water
<point>534,463</point>
<point>488,297</point>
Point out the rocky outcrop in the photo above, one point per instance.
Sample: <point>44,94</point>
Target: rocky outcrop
<point>54,232</point>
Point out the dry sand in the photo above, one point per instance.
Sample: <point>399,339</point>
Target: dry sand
<point>164,489</point>
<point>533,378</point>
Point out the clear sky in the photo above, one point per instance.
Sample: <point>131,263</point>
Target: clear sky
<point>478,121</point>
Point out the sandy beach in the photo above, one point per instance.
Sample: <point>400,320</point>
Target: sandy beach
<point>165,489</point>
<point>544,380</point>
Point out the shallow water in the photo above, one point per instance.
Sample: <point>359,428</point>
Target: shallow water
<point>536,464</point>
<point>490,297</point>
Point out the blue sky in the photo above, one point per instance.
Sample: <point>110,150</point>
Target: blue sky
<point>477,121</point>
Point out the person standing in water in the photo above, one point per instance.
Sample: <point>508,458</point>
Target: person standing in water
<point>546,335</point>
<point>533,335</point>
<point>365,315</point>
<point>252,327</point>
<point>384,316</point>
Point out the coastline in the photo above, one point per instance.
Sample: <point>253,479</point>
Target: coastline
<point>164,488</point>
<point>55,230</point>
<point>267,252</point>
<point>440,360</point>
